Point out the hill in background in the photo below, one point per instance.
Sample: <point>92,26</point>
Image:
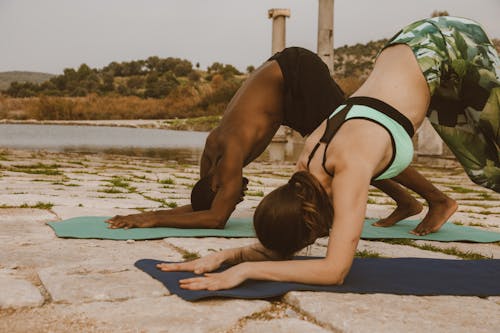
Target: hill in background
<point>352,64</point>
<point>6,78</point>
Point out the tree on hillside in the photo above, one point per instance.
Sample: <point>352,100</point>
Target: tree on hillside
<point>223,90</point>
<point>250,69</point>
<point>60,82</point>
<point>183,68</point>
<point>113,69</point>
<point>215,67</point>
<point>83,72</point>
<point>152,63</point>
<point>227,71</point>
<point>107,84</point>
<point>70,74</point>
<point>26,89</point>
<point>132,68</point>
<point>136,82</point>
<point>160,86</point>
<point>49,88</point>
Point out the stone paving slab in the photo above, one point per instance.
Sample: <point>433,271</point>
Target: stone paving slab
<point>24,226</point>
<point>167,314</point>
<point>392,313</point>
<point>400,251</point>
<point>83,273</point>
<point>393,250</point>
<point>285,325</point>
<point>487,250</point>
<point>70,251</point>
<point>374,211</point>
<point>492,222</point>
<point>67,212</point>
<point>130,201</point>
<point>17,292</point>
<point>208,245</point>
<point>26,214</point>
<point>98,281</point>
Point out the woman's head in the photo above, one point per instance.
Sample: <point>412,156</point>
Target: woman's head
<point>292,216</point>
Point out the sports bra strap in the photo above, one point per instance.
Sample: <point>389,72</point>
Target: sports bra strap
<point>332,126</point>
<point>311,155</point>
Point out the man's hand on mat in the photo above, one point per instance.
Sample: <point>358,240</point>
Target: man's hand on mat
<point>141,220</point>
<point>206,264</point>
<point>216,281</point>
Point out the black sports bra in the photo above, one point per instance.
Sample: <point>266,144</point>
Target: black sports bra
<point>333,123</point>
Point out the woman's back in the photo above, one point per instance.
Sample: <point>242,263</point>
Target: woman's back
<point>398,80</point>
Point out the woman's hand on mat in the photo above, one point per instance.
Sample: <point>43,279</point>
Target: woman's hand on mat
<point>206,264</point>
<point>141,220</point>
<point>216,281</point>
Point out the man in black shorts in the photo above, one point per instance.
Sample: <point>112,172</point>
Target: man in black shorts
<point>293,88</point>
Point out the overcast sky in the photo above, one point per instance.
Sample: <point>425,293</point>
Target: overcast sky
<point>50,35</point>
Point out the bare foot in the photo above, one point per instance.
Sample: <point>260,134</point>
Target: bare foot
<point>438,214</point>
<point>402,211</point>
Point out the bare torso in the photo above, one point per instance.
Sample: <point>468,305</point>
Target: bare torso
<point>398,81</point>
<point>249,123</point>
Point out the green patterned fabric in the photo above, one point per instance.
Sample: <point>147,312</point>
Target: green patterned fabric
<point>462,69</point>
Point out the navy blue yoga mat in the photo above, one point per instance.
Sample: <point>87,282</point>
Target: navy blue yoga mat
<point>400,276</point>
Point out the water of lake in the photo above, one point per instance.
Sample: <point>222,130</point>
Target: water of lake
<point>183,146</point>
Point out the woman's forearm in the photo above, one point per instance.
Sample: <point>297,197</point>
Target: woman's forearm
<point>253,252</point>
<point>312,271</point>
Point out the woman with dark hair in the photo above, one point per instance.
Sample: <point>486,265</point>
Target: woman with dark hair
<point>445,68</point>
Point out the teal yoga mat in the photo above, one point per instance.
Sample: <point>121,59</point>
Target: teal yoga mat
<point>95,227</point>
<point>449,232</point>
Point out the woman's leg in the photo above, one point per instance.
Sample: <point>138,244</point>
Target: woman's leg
<point>441,207</point>
<point>465,111</point>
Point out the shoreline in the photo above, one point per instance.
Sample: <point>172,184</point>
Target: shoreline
<point>133,123</point>
<point>188,124</point>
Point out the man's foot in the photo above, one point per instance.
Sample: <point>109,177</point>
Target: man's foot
<point>402,211</point>
<point>438,214</point>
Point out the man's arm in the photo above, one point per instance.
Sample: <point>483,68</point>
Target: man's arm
<point>184,217</point>
<point>227,180</point>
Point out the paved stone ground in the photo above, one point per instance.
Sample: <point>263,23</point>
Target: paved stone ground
<point>49,284</point>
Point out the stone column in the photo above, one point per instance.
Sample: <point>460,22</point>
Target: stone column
<point>279,16</point>
<point>325,32</point>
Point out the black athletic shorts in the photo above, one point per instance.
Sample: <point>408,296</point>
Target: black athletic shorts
<point>311,95</point>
